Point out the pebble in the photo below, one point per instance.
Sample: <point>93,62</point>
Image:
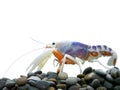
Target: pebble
<point>53,80</point>
<point>61,86</point>
<point>90,79</point>
<point>81,75</point>
<point>95,83</point>
<point>42,76</point>
<point>108,85</point>
<point>21,81</point>
<point>23,87</point>
<point>109,78</point>
<point>2,83</point>
<point>87,70</point>
<point>91,76</point>
<point>32,82</point>
<point>74,87</point>
<point>100,72</point>
<point>34,78</point>
<point>10,83</point>
<point>51,88</point>
<point>63,75</point>
<point>71,80</point>
<point>101,88</point>
<point>117,87</point>
<point>52,75</point>
<point>42,85</point>
<point>114,72</point>
<point>117,81</point>
<point>30,74</point>
<point>38,72</point>
<point>33,88</point>
<point>89,87</point>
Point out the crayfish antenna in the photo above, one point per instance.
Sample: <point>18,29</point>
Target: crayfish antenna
<point>19,58</point>
<point>37,41</point>
<point>40,61</point>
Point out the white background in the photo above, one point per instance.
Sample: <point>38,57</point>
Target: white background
<point>92,22</point>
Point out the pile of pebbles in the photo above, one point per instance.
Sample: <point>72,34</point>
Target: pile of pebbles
<point>90,79</point>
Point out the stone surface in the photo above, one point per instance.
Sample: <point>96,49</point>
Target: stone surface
<point>92,79</point>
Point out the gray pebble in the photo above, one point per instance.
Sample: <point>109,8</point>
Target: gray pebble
<point>114,72</point>
<point>36,78</point>
<point>42,85</point>
<point>108,85</point>
<point>89,87</point>
<point>83,88</point>
<point>63,75</point>
<point>23,87</point>
<point>117,81</point>
<point>52,75</point>
<point>5,88</point>
<point>71,80</point>
<point>100,72</point>
<point>43,75</point>
<point>109,78</point>
<point>95,83</point>
<point>32,82</point>
<point>32,88</point>
<point>2,83</point>
<point>51,83</point>
<point>117,87</point>
<point>74,87</point>
<point>10,83</point>
<point>86,87</point>
<point>92,76</point>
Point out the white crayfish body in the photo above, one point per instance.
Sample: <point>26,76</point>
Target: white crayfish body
<point>67,52</point>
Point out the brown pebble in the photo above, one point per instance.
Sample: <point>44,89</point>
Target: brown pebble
<point>53,80</point>
<point>21,81</point>
<point>51,88</point>
<point>61,86</point>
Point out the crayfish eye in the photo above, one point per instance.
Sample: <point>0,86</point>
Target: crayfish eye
<point>53,43</point>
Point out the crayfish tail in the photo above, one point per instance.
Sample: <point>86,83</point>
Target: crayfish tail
<point>112,61</point>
